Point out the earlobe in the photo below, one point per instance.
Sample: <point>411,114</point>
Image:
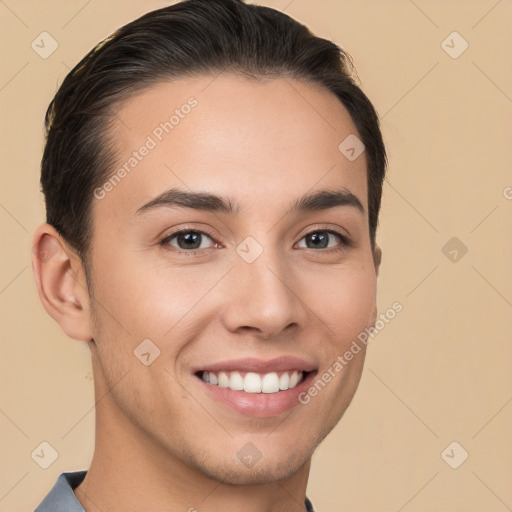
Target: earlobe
<point>60,281</point>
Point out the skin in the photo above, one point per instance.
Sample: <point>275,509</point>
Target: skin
<point>161,442</point>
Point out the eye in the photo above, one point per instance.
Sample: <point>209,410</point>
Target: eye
<point>186,241</point>
<point>320,239</point>
<point>190,241</point>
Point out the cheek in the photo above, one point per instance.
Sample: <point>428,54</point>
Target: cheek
<point>132,298</point>
<point>162,304</point>
<point>152,301</point>
<point>346,301</point>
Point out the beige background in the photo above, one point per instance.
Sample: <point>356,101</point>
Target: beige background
<point>439,372</point>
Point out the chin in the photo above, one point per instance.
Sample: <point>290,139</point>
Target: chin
<point>267,470</point>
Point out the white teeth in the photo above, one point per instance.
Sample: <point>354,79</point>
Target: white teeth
<point>223,380</point>
<point>294,378</point>
<point>236,381</point>
<point>284,382</point>
<point>254,382</point>
<point>270,383</point>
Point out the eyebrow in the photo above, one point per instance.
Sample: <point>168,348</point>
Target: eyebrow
<point>317,201</point>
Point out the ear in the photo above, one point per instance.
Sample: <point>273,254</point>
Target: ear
<point>377,257</point>
<point>60,280</point>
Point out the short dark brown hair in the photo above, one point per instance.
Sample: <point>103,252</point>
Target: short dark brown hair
<point>190,38</point>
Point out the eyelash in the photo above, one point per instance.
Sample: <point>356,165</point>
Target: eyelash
<point>164,242</point>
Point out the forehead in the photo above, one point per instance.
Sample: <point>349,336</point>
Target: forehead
<point>264,142</point>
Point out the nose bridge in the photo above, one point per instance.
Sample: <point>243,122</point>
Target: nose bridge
<point>261,295</point>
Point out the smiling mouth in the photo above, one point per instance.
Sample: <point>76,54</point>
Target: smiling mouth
<point>252,382</point>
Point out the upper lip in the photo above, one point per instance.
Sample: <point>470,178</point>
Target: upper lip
<point>278,364</point>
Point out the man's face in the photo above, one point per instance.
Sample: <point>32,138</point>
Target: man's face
<point>267,290</point>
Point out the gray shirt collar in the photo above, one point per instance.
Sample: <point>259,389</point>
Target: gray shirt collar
<point>62,498</point>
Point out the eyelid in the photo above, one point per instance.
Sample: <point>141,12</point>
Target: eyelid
<point>186,229</point>
<point>338,230</point>
<point>345,240</point>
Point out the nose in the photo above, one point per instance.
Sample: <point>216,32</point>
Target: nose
<point>263,297</point>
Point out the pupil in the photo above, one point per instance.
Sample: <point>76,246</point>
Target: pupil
<point>322,238</point>
<point>190,238</point>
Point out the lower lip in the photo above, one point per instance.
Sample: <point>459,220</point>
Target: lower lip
<point>258,405</point>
